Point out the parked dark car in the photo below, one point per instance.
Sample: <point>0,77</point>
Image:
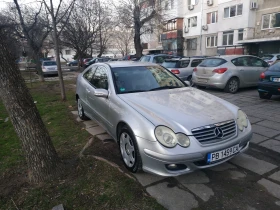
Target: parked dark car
<point>84,61</point>
<point>96,60</point>
<point>72,63</point>
<point>269,83</point>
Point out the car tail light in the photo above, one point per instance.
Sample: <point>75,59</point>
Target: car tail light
<point>220,70</point>
<point>175,71</point>
<point>195,69</point>
<point>262,76</point>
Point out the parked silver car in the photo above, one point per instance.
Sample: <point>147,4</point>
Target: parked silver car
<point>229,72</point>
<point>182,67</point>
<point>161,125</point>
<point>271,58</point>
<point>49,68</point>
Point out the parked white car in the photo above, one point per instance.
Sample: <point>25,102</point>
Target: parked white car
<point>271,58</point>
<point>49,68</point>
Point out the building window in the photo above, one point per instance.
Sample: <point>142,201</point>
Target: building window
<point>271,21</point>
<point>212,17</point>
<point>228,38</point>
<point>211,41</point>
<point>170,25</point>
<point>192,22</point>
<point>67,52</point>
<point>240,34</point>
<point>192,44</point>
<point>192,2</point>
<point>233,11</point>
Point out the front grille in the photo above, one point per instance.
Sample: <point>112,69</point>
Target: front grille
<point>208,134</point>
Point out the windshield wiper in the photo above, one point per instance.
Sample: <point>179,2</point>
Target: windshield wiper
<point>165,87</point>
<point>133,91</point>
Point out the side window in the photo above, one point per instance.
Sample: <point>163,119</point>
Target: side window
<point>159,59</point>
<point>145,59</point>
<point>195,63</point>
<point>88,75</point>
<point>185,64</point>
<point>100,78</point>
<point>256,62</point>
<point>242,61</point>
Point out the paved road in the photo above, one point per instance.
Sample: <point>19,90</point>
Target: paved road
<point>251,181</point>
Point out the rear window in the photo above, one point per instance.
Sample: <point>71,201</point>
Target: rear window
<point>275,67</point>
<point>170,64</point>
<point>212,62</point>
<point>267,57</point>
<point>145,59</point>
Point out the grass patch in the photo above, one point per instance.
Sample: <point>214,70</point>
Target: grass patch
<point>87,183</point>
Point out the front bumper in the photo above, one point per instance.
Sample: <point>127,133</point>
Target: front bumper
<point>154,160</point>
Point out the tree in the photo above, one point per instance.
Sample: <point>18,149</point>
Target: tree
<point>59,13</point>
<point>123,38</point>
<point>137,14</point>
<point>42,159</point>
<point>81,31</point>
<point>34,28</point>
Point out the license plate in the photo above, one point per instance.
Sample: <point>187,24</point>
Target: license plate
<point>276,79</point>
<point>202,80</point>
<point>222,154</point>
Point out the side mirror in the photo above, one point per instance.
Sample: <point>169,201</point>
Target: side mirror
<point>101,93</point>
<point>188,83</point>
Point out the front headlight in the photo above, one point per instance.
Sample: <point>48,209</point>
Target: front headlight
<point>242,120</point>
<point>169,139</point>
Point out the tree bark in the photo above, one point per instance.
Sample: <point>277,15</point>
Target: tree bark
<point>42,159</point>
<point>137,32</point>
<point>39,67</point>
<point>60,76</point>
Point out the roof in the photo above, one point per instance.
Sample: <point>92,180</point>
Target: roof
<point>115,64</point>
<point>229,57</point>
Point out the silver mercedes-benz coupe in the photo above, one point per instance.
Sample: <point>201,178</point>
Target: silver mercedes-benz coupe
<point>161,125</point>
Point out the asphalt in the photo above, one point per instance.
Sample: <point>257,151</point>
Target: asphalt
<point>250,181</point>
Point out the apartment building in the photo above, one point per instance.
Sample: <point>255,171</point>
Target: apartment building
<point>267,29</point>
<point>214,27</point>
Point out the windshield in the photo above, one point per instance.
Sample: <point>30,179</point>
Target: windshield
<point>50,63</point>
<point>212,62</point>
<point>169,64</point>
<point>144,78</point>
<point>267,57</point>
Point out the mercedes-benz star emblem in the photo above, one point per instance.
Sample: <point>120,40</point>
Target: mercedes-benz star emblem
<point>219,133</point>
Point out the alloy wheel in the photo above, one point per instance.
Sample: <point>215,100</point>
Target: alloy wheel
<point>233,85</point>
<point>80,108</point>
<point>127,149</point>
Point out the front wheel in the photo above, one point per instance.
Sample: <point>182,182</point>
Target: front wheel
<point>129,150</point>
<point>265,95</point>
<point>232,86</point>
<point>81,112</point>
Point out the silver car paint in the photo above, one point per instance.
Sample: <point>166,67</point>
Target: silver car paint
<point>248,75</point>
<point>180,109</point>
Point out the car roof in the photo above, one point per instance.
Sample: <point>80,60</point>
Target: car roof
<point>115,64</point>
<point>230,57</point>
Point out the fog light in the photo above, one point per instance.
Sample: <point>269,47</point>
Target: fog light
<point>175,167</point>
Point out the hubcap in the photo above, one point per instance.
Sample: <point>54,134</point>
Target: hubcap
<point>233,85</point>
<point>127,149</point>
<point>80,108</point>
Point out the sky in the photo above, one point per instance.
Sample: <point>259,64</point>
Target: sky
<point>20,2</point>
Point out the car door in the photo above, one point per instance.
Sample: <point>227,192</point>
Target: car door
<point>86,87</point>
<point>259,66</point>
<point>244,70</point>
<point>184,72</point>
<point>99,105</point>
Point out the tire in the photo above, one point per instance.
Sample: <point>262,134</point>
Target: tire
<point>129,150</point>
<point>200,87</point>
<point>232,85</point>
<point>81,112</point>
<point>265,95</point>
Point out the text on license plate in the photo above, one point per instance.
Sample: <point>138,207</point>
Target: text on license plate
<point>219,155</point>
<point>202,80</point>
<point>276,79</point>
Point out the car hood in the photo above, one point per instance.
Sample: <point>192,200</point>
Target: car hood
<point>181,109</point>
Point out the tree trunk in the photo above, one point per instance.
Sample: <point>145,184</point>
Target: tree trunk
<point>137,32</point>
<point>60,76</point>
<point>39,67</point>
<point>42,159</point>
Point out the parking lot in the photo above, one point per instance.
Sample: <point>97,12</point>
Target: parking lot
<point>249,181</point>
